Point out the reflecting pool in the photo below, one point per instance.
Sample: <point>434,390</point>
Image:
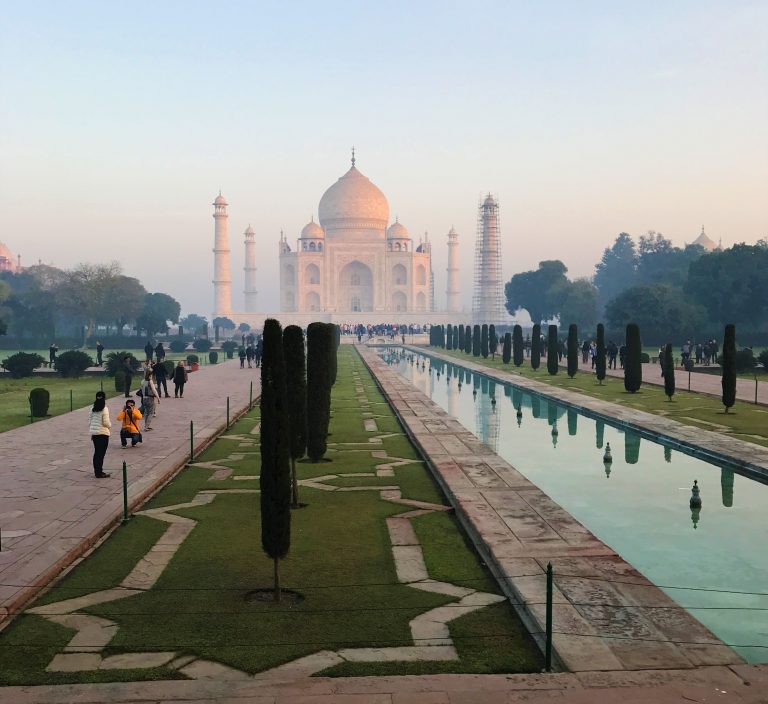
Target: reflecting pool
<point>713,560</point>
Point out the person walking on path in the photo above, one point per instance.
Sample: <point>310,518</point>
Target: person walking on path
<point>130,418</point>
<point>159,353</point>
<point>148,350</point>
<point>151,399</point>
<point>99,353</point>
<point>98,426</point>
<point>52,355</point>
<point>241,354</point>
<point>180,377</point>
<point>128,371</point>
<point>257,353</point>
<point>161,376</point>
<point>249,355</point>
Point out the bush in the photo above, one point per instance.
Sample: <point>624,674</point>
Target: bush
<point>22,364</point>
<point>169,367</point>
<point>39,400</point>
<point>633,370</point>
<point>178,346</point>
<point>73,363</point>
<point>213,357</point>
<point>763,359</point>
<point>193,358</point>
<point>202,345</point>
<point>119,377</point>
<point>229,347</point>
<point>114,363</point>
<point>645,358</point>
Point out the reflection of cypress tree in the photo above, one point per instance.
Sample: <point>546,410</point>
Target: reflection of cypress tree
<point>484,385</point>
<point>551,413</point>
<point>517,345</point>
<point>552,359</point>
<point>484,340</point>
<point>492,388</point>
<point>536,347</point>
<point>599,434</point>
<point>517,397</point>
<point>726,486</point>
<point>476,382</point>
<point>667,454</point>
<point>631,447</point>
<point>507,390</point>
<point>455,371</point>
<point>573,419</point>
<point>535,406</point>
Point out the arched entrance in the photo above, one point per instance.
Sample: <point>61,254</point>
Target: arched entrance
<point>355,291</point>
<point>399,301</point>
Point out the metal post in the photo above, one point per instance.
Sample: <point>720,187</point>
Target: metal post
<point>71,405</point>
<point>101,383</point>
<point>125,493</point>
<point>548,643</point>
<point>250,398</point>
<point>227,412</point>
<point>31,417</point>
<point>191,441</point>
<point>689,380</point>
<point>755,389</point>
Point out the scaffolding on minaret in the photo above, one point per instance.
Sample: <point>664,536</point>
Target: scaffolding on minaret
<point>488,296</point>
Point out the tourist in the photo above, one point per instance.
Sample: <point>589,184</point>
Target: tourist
<point>128,372</point>
<point>130,418</point>
<point>98,426</point>
<point>150,399</point>
<point>593,353</point>
<point>161,376</point>
<point>160,352</point>
<point>612,351</point>
<point>249,352</point>
<point>241,354</point>
<point>685,353</point>
<point>622,354</point>
<point>148,350</point>
<point>52,355</point>
<point>585,352</point>
<point>699,352</point>
<point>257,353</point>
<point>180,376</point>
<point>99,353</point>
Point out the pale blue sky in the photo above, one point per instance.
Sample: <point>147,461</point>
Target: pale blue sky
<point>120,121</point>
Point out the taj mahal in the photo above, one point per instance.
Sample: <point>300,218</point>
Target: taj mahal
<point>352,266</point>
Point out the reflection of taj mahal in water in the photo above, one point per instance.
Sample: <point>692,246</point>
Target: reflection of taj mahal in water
<point>352,266</point>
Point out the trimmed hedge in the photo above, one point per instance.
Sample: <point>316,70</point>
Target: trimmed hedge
<point>213,357</point>
<point>178,346</point>
<point>73,363</point>
<point>22,364</point>
<point>39,400</point>
<point>202,345</point>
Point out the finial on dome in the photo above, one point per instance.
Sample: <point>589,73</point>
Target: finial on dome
<point>353,156</point>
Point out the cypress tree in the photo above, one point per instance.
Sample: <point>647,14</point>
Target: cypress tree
<point>506,352</point>
<point>493,340</point>
<point>536,347</point>
<point>600,353</point>
<point>484,341</point>
<point>729,367</point>
<point>668,367</point>
<point>517,345</point>
<point>468,339</point>
<point>296,385</point>
<point>335,332</point>
<point>476,341</point>
<point>319,345</point>
<point>275,446</point>
<point>449,340</point>
<point>573,350</point>
<point>461,344</point>
<point>552,360</point>
<point>633,368</point>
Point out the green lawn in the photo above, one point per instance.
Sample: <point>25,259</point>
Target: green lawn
<point>340,560</point>
<point>745,421</point>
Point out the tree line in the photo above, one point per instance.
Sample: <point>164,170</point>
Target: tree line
<point>671,292</point>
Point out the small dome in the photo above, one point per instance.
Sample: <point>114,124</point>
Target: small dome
<point>353,198</point>
<point>312,231</point>
<point>397,231</point>
<point>5,252</point>
<point>249,230</point>
<point>220,200</point>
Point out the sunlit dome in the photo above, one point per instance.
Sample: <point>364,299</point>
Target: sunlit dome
<point>397,231</point>
<point>5,252</point>
<point>312,231</point>
<point>220,200</point>
<point>705,242</point>
<point>353,199</point>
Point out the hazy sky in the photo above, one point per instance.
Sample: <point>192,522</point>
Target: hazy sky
<point>120,121</point>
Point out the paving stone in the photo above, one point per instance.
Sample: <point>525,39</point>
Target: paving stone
<point>401,531</point>
<point>302,667</point>
<point>403,654</point>
<point>409,563</point>
<point>130,661</point>
<point>430,585</point>
<point>207,670</point>
<point>74,662</point>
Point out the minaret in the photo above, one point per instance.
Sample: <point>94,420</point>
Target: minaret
<point>427,247</point>
<point>487,302</point>
<point>250,271</point>
<point>452,286</point>
<point>222,281</point>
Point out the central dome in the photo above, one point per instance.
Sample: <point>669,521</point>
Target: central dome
<point>353,202</point>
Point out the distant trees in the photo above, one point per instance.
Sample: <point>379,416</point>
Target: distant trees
<point>573,350</point>
<point>193,321</point>
<point>600,353</point>
<point>729,367</point>
<point>222,323</point>
<point>319,345</point>
<point>633,368</point>
<point>536,346</point>
<point>552,344</point>
<point>517,345</point>
<point>274,479</point>
<point>296,388</point>
<point>506,352</point>
<point>158,309</point>
<point>668,369</point>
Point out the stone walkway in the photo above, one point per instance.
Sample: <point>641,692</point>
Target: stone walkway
<point>52,509</point>
<point>607,616</point>
<point>709,444</point>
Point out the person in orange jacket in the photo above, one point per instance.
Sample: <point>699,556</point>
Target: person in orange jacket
<point>130,416</point>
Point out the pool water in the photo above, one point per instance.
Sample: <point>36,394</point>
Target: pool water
<point>713,561</point>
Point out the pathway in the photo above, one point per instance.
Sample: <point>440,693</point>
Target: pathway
<point>52,509</point>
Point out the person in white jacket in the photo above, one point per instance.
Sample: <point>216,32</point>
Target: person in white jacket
<point>150,398</point>
<point>99,425</point>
